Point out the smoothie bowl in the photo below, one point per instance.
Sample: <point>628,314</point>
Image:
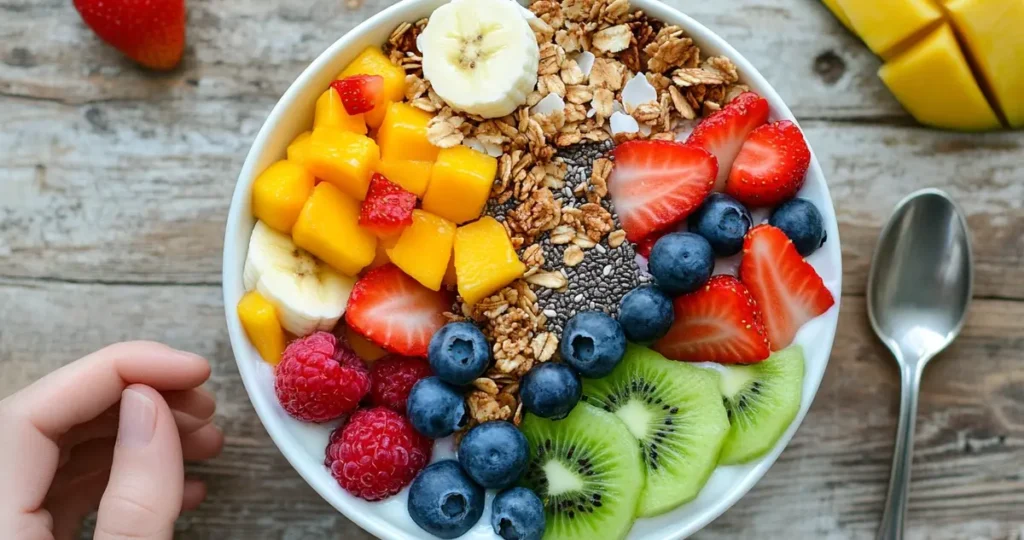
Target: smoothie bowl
<point>565,271</point>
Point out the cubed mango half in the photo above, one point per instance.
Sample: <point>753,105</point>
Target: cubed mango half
<point>424,248</point>
<point>331,113</point>
<point>413,176</point>
<point>373,61</point>
<point>328,227</point>
<point>343,158</point>
<point>279,193</point>
<point>884,24</point>
<point>403,135</point>
<point>485,260</point>
<point>460,184</point>
<point>259,319</point>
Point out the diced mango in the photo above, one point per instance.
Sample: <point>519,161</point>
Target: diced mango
<point>373,61</point>
<point>413,176</point>
<point>451,279</point>
<point>833,6</point>
<point>363,347</point>
<point>343,158</point>
<point>931,76</point>
<point>883,24</point>
<point>279,194</point>
<point>259,319</point>
<point>328,227</point>
<point>403,135</point>
<point>298,150</point>
<point>424,248</point>
<point>460,184</point>
<point>331,113</point>
<point>485,260</point>
<point>381,257</point>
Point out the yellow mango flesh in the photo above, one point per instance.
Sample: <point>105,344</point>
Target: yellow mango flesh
<point>343,158</point>
<point>403,135</point>
<point>460,184</point>
<point>424,248</point>
<point>373,61</point>
<point>485,260</point>
<point>413,176</point>
<point>363,347</point>
<point>833,6</point>
<point>381,258</point>
<point>328,227</point>
<point>331,113</point>
<point>279,193</point>
<point>259,319</point>
<point>883,24</point>
<point>298,150</point>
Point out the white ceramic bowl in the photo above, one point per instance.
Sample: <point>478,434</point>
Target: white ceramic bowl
<point>303,444</point>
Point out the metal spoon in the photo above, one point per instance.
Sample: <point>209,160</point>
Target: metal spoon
<point>919,288</point>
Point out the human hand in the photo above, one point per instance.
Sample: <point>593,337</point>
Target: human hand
<point>68,447</point>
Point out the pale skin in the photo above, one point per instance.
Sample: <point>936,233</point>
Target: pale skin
<point>108,433</point>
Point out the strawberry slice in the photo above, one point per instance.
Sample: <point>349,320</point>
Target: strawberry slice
<point>656,184</point>
<point>394,311</point>
<point>387,208</point>
<point>719,323</point>
<point>359,93</point>
<point>785,286</point>
<point>771,166</point>
<point>723,132</point>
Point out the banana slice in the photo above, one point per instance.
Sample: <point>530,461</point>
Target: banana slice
<point>308,294</point>
<point>480,56</point>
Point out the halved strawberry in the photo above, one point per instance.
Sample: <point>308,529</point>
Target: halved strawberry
<point>719,323</point>
<point>394,311</point>
<point>723,132</point>
<point>656,184</point>
<point>771,166</point>
<point>785,286</point>
<point>360,93</point>
<point>387,208</point>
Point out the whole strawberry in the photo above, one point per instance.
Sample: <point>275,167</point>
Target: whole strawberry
<point>319,379</point>
<point>151,32</point>
<point>392,377</point>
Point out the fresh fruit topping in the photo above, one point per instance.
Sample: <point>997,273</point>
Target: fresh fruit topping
<point>550,390</point>
<point>319,379</point>
<point>151,33</point>
<point>459,353</point>
<point>328,227</point>
<point>771,166</point>
<point>366,350</point>
<point>681,262</point>
<point>444,501</point>
<point>307,294</point>
<point>518,513</point>
<point>588,472</point>
<point>259,320</point>
<point>785,287</point>
<point>279,193</point>
<point>460,183</point>
<point>435,408</point>
<point>802,223</point>
<point>373,61</point>
<point>645,314</point>
<point>723,222</point>
<point>376,454</point>
<point>411,175</point>
<point>298,150</point>
<point>761,401</point>
<point>360,93</point>
<point>645,245</point>
<point>494,454</point>
<point>656,184</point>
<point>394,311</point>
<point>392,378</point>
<point>718,323</point>
<point>403,135</point>
<point>675,413</point>
<point>592,343</point>
<point>387,208</point>
<point>723,132</point>
<point>485,260</point>
<point>343,158</point>
<point>480,56</point>
<point>331,113</point>
<point>424,248</point>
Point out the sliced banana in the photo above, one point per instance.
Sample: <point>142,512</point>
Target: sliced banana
<point>308,294</point>
<point>480,56</point>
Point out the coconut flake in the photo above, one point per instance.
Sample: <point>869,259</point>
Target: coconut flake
<point>623,123</point>
<point>685,128</point>
<point>585,60</point>
<point>550,104</point>
<point>637,92</point>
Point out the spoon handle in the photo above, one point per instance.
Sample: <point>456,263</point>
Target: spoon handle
<point>903,454</point>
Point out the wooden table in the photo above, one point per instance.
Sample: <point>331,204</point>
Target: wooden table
<point>114,187</point>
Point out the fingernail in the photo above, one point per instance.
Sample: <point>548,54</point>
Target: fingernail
<point>138,419</point>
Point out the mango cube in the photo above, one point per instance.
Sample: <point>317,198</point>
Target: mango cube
<point>328,227</point>
<point>460,184</point>
<point>259,319</point>
<point>833,6</point>
<point>279,194</point>
<point>298,150</point>
<point>373,61</point>
<point>331,113</point>
<point>403,135</point>
<point>413,176</point>
<point>363,347</point>
<point>343,158</point>
<point>381,258</point>
<point>424,248</point>
<point>883,24</point>
<point>485,260</point>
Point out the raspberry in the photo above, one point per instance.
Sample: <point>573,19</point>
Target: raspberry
<point>376,454</point>
<point>319,379</point>
<point>392,377</point>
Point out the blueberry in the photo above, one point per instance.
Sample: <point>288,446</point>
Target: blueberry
<point>435,408</point>
<point>723,222</point>
<point>494,454</point>
<point>645,314</point>
<point>518,514</point>
<point>550,390</point>
<point>593,344</point>
<point>802,223</point>
<point>444,501</point>
<point>459,353</point>
<point>681,262</point>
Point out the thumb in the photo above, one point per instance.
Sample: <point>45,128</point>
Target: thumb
<point>143,496</point>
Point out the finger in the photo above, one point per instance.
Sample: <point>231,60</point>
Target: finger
<point>193,495</point>
<point>144,494</point>
<point>206,443</point>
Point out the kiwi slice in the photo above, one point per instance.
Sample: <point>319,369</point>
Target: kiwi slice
<point>587,471</point>
<point>761,401</point>
<point>674,412</point>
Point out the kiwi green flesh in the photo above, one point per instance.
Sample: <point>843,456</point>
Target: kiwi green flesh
<point>761,400</point>
<point>674,412</point>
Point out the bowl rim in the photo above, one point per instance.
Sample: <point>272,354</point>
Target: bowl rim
<point>231,280</point>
